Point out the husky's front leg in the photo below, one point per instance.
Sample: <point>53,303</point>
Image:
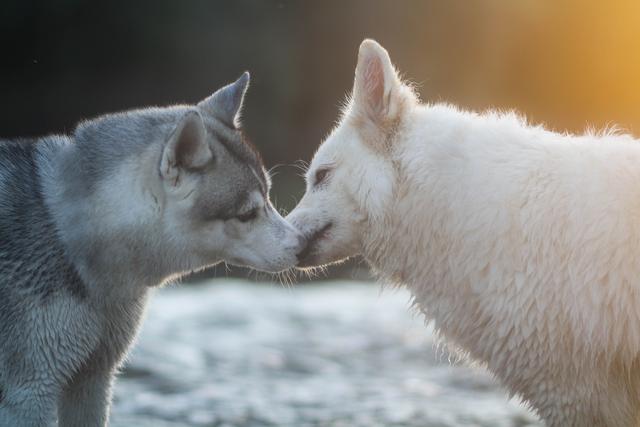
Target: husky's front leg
<point>85,401</point>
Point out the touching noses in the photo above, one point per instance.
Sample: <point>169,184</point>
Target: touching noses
<point>300,242</point>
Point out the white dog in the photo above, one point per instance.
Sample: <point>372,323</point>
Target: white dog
<point>521,245</point>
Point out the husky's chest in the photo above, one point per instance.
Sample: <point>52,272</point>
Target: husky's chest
<point>119,322</point>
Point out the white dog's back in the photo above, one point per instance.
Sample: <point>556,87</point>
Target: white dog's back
<point>523,246</point>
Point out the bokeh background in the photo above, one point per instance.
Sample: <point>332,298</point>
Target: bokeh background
<point>567,64</point>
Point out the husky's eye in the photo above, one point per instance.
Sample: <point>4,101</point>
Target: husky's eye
<point>248,216</point>
<point>321,175</point>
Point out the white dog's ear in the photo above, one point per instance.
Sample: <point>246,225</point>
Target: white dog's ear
<point>226,103</point>
<point>186,149</point>
<point>377,90</point>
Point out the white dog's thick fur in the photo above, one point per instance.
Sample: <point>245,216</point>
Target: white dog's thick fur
<point>521,245</point>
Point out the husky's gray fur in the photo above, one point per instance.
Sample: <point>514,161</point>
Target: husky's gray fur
<point>88,223</point>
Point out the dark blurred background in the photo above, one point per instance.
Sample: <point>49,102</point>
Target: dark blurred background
<point>567,64</point>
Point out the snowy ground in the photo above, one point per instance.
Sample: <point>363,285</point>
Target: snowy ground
<point>341,354</point>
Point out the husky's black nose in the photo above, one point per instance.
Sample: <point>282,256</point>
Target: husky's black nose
<point>302,242</point>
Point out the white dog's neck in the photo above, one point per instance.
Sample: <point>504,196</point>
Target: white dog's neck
<point>385,239</point>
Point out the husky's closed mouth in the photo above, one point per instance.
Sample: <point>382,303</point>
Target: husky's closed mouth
<point>305,258</point>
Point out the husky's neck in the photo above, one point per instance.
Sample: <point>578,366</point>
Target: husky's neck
<point>105,222</point>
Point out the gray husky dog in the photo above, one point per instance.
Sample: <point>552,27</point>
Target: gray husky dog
<point>90,222</point>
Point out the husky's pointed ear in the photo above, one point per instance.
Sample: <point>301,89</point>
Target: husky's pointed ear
<point>186,149</point>
<point>377,87</point>
<point>225,104</point>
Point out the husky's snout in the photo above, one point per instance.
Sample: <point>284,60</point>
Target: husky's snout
<point>279,250</point>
